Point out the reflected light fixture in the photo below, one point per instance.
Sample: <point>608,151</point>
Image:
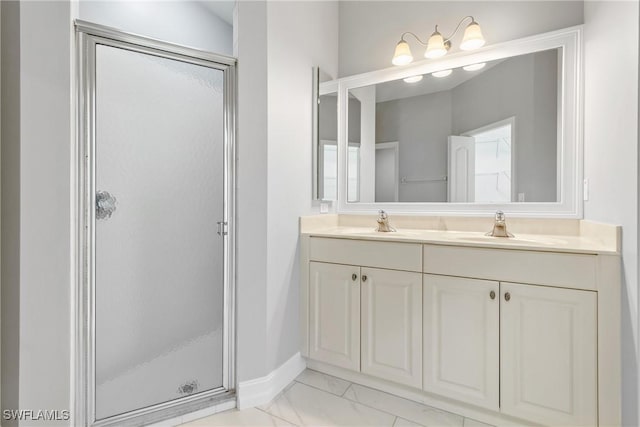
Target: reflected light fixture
<point>437,45</point>
<point>474,67</point>
<point>443,73</point>
<point>413,79</point>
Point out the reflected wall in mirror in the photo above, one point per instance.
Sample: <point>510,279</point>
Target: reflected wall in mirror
<point>328,146</point>
<point>479,134</point>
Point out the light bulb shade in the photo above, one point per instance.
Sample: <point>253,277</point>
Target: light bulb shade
<point>435,46</point>
<point>413,79</point>
<point>443,73</point>
<point>472,38</point>
<point>402,55</point>
<point>474,67</point>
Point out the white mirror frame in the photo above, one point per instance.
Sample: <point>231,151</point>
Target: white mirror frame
<point>570,156</point>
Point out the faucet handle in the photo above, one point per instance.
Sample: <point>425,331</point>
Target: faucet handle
<point>500,216</point>
<point>382,214</point>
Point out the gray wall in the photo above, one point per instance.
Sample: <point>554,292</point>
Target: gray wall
<point>328,118</point>
<point>524,87</point>
<point>355,120</point>
<point>328,125</point>
<point>421,124</point>
<point>369,30</point>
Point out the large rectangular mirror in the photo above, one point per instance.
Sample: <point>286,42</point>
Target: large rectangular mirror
<point>494,129</point>
<point>485,133</point>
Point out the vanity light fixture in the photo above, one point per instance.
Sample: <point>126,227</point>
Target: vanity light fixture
<point>443,73</point>
<point>402,55</point>
<point>413,79</point>
<point>474,67</point>
<point>437,45</point>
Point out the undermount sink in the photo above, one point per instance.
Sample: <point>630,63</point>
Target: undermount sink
<point>512,240</point>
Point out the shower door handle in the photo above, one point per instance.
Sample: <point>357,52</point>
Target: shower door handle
<point>221,227</point>
<point>105,205</point>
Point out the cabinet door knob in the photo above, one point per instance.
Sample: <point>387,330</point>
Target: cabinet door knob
<point>354,277</point>
<point>492,294</point>
<point>364,278</point>
<point>507,296</point>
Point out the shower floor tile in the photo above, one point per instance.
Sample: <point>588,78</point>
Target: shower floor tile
<point>316,399</point>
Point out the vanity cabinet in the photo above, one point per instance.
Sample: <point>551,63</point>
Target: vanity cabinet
<point>527,351</point>
<point>505,336</point>
<point>392,325</point>
<point>368,320</point>
<point>548,354</point>
<point>365,318</point>
<point>462,339</point>
<point>334,304</point>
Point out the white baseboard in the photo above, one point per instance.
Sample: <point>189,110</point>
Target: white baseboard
<point>262,390</point>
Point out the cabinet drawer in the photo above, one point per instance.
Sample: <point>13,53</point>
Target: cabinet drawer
<point>548,268</point>
<point>390,255</point>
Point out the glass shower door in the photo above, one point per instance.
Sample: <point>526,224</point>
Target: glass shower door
<point>159,175</point>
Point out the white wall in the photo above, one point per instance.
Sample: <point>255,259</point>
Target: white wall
<point>36,247</point>
<point>300,35</point>
<point>187,23</point>
<point>611,156</point>
<point>252,190</point>
<point>369,30</point>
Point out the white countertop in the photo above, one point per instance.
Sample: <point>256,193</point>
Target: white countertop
<point>592,238</point>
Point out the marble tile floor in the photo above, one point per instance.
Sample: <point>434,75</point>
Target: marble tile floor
<point>316,399</point>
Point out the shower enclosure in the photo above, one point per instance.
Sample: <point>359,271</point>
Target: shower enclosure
<point>155,199</point>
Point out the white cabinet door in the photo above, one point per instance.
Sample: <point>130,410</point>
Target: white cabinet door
<point>392,325</point>
<point>548,354</point>
<point>334,312</point>
<point>461,339</point>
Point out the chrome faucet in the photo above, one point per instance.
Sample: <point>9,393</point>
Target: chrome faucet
<point>499,226</point>
<point>383,222</point>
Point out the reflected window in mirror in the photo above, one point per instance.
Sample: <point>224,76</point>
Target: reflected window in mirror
<point>480,134</point>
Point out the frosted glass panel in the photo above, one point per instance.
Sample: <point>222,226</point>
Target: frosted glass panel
<point>159,260</point>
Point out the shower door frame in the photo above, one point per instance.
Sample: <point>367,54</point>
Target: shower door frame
<point>88,37</point>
